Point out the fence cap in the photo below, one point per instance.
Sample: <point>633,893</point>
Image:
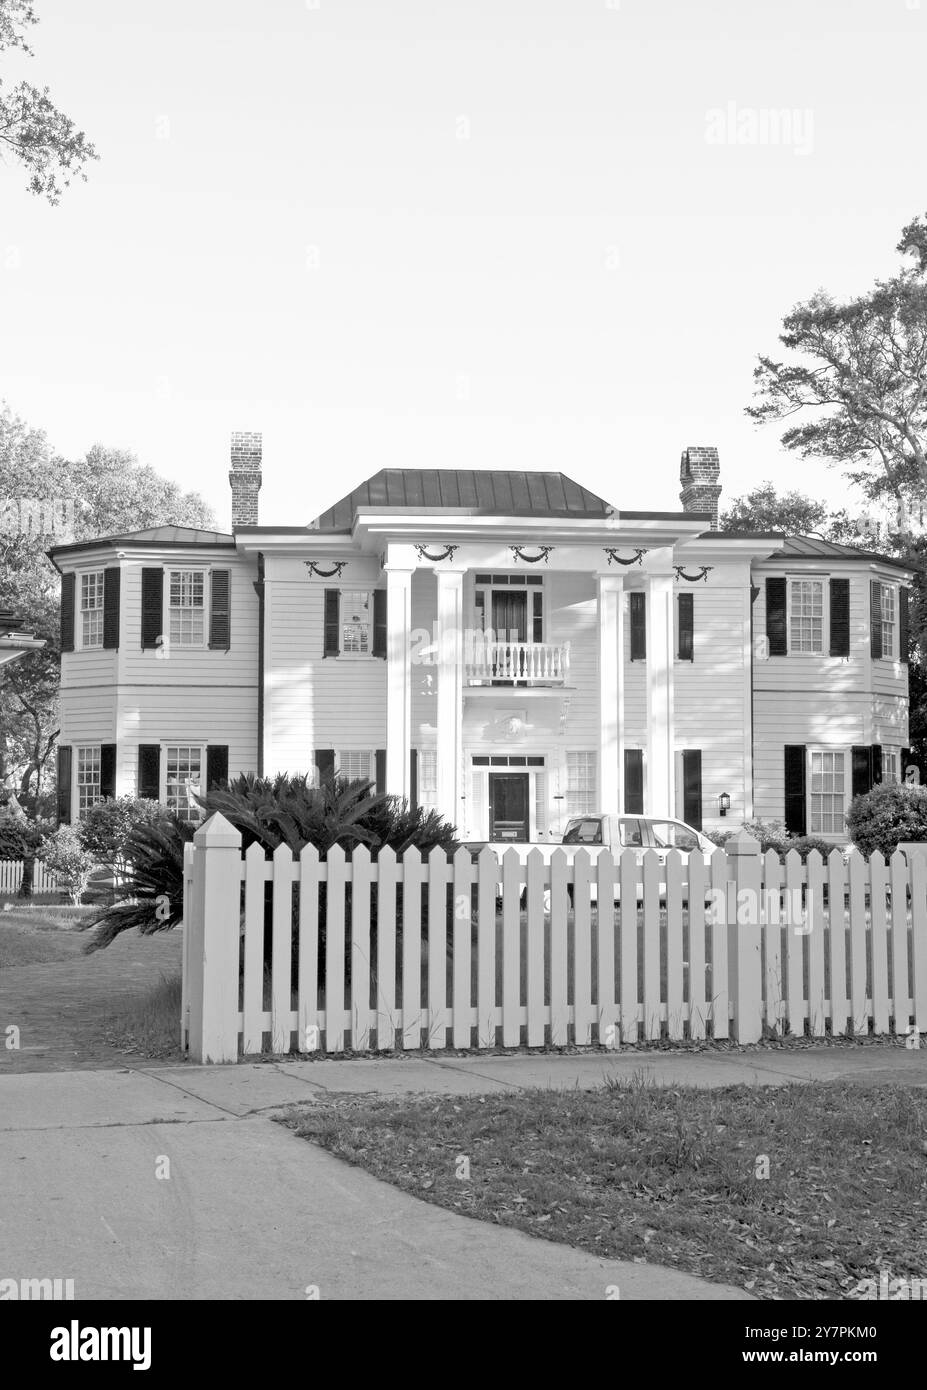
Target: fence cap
<point>742,843</point>
<point>217,833</point>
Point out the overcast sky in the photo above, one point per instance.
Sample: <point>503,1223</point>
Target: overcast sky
<point>450,233</point>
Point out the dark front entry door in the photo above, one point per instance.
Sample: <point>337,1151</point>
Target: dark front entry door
<point>508,806</point>
<point>510,615</point>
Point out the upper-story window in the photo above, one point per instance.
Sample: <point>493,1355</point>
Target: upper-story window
<point>889,621</point>
<point>511,606</point>
<point>806,615</point>
<point>91,609</point>
<point>187,607</point>
<point>356,609</point>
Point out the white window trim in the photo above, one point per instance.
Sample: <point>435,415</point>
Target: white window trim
<point>488,589</point>
<point>206,572</point>
<point>79,644</point>
<point>162,774</point>
<point>824,581</point>
<point>847,789</point>
<point>75,796</point>
<point>896,637</point>
<point>355,656</point>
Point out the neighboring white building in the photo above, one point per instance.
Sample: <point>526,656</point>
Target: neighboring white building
<point>504,646</point>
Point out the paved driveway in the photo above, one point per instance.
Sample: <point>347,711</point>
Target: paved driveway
<point>61,1007</point>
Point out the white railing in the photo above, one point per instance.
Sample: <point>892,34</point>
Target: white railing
<point>400,953</point>
<point>489,658</point>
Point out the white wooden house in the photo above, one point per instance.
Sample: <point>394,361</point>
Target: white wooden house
<point>504,646</point>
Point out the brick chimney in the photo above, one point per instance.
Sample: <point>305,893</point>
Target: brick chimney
<point>245,478</point>
<point>699,472</point>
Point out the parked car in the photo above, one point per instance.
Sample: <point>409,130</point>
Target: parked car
<point>598,832</point>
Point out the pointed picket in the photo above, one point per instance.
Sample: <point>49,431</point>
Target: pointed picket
<point>334,949</point>
<point>606,913</point>
<point>361,880</point>
<point>794,967</point>
<point>859,988</point>
<point>919,938</point>
<point>307,987</point>
<point>771,918</point>
<point>878,880</point>
<point>696,996</point>
<point>720,993</point>
<point>901,1000</point>
<point>437,948</point>
<point>282,959</point>
<point>486,1010</point>
<point>814,930</point>
<point>651,944</point>
<point>413,875</point>
<point>253,982</point>
<point>629,979</point>
<point>511,948</point>
<point>462,948</point>
<point>837,944</point>
<point>559,907</point>
<point>675,1015</point>
<point>385,1007</point>
<point>536,881</point>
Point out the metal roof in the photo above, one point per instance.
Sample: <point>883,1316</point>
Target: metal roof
<point>483,491</point>
<point>811,548</point>
<point>151,536</point>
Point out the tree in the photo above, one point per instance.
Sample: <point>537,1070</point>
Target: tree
<point>858,380</point>
<point>104,493</point>
<point>764,509</point>
<point>64,854</point>
<point>32,129</point>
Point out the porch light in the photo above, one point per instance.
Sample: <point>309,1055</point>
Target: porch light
<point>724,804</point>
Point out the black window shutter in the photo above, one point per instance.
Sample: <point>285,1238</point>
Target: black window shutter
<point>381,771</point>
<point>63,779</point>
<point>634,781</point>
<point>876,763</point>
<point>795,816</point>
<point>638,611</point>
<point>692,787</point>
<point>152,606</point>
<point>107,770</point>
<point>217,764</point>
<point>861,780</point>
<point>220,614</point>
<point>67,613</point>
<point>111,585</point>
<point>379,622</point>
<point>875,619</point>
<point>776,623</point>
<point>686,627</point>
<point>840,617</point>
<point>903,640</point>
<point>325,763</point>
<point>413,779</point>
<point>331,645</point>
<point>149,771</point>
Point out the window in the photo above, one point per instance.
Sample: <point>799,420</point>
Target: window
<point>355,622</point>
<point>889,621</point>
<point>828,792</point>
<point>583,832</point>
<point>88,778</point>
<point>187,607</point>
<point>581,784</point>
<point>891,764</point>
<point>427,777</point>
<point>674,835</point>
<point>184,764</point>
<point>806,615</point>
<point>356,765</point>
<point>91,609</point>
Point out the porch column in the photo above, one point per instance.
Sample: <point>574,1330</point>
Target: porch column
<point>611,693</point>
<point>398,681</point>
<point>450,692</point>
<point>659,798</point>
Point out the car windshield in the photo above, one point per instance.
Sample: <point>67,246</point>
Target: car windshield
<point>586,830</point>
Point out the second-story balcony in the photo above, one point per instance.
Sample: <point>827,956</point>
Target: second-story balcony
<point>489,660</point>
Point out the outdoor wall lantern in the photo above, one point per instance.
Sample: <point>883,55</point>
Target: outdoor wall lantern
<point>724,803</point>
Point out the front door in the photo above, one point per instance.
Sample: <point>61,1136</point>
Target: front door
<point>508,806</point>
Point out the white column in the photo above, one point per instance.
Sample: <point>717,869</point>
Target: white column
<point>450,692</point>
<point>398,681</point>
<point>611,693</point>
<point>659,779</point>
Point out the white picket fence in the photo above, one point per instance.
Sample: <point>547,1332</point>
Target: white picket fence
<point>11,877</point>
<point>730,946</point>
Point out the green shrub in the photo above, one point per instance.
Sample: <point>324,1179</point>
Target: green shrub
<point>22,838</point>
<point>65,856</point>
<point>771,834</point>
<point>883,817</point>
<point>105,829</point>
<point>804,844</point>
<point>150,891</point>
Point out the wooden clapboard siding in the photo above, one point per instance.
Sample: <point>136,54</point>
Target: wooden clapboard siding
<point>781,718</point>
<point>88,713</point>
<point>312,701</point>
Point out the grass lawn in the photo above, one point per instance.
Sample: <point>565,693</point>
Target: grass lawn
<point>638,1172</point>
<point>35,938</point>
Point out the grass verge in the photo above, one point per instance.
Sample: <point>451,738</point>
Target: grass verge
<point>669,1176</point>
<point>149,1025</point>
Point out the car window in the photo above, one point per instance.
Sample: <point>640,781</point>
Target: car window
<point>630,832</point>
<point>674,835</point>
<point>583,831</point>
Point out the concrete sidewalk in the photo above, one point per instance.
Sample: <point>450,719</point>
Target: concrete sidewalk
<point>249,1211</point>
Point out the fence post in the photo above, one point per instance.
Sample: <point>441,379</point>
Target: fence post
<point>213,952</point>
<point>743,936</point>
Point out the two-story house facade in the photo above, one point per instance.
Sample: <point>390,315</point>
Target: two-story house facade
<point>507,647</point>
